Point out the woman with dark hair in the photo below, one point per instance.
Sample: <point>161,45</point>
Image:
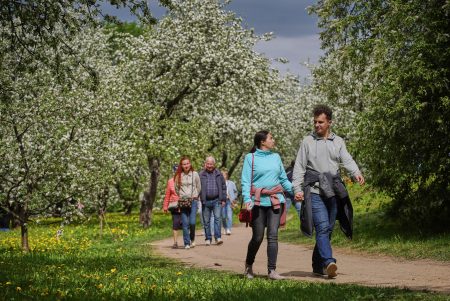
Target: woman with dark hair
<point>187,186</point>
<point>263,181</point>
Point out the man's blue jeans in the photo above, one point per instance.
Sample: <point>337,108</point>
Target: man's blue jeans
<point>212,207</point>
<point>227,215</point>
<point>324,217</point>
<point>200,212</point>
<point>188,219</point>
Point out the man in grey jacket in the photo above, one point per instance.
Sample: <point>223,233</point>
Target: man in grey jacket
<point>322,153</point>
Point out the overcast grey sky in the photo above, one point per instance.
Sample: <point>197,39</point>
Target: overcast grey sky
<point>296,32</point>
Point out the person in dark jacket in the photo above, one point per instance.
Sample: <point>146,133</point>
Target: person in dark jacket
<point>316,180</point>
<point>213,197</point>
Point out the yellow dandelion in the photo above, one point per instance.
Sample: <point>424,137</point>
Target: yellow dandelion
<point>179,273</point>
<point>19,289</point>
<point>113,270</point>
<point>100,286</point>
<point>8,283</point>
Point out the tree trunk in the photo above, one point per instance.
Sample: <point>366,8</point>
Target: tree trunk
<point>100,218</point>
<point>103,203</point>
<point>235,163</point>
<point>127,207</point>
<point>15,219</point>
<point>24,227</point>
<point>24,232</point>
<point>224,159</point>
<point>149,197</point>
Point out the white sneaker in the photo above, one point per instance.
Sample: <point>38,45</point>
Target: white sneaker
<point>192,244</point>
<point>331,270</point>
<point>219,241</point>
<point>187,247</point>
<point>248,272</point>
<point>228,232</point>
<point>275,276</point>
<point>207,242</point>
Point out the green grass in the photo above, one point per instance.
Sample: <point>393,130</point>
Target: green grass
<point>375,233</point>
<point>121,265</point>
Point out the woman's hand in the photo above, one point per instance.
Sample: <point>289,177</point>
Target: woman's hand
<point>249,206</point>
<point>299,197</point>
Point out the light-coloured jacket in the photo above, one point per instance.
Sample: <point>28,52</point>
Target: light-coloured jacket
<point>232,192</point>
<point>324,156</point>
<point>190,185</point>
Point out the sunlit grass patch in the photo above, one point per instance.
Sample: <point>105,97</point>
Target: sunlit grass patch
<point>122,266</point>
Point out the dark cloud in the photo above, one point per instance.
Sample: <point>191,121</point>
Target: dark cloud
<point>296,32</point>
<point>286,18</point>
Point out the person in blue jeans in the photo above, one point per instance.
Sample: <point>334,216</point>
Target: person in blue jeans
<point>213,197</point>
<point>227,210</point>
<point>316,180</point>
<point>187,187</point>
<point>211,220</point>
<point>263,182</point>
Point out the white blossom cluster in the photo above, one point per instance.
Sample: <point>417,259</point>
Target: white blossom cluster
<point>71,128</point>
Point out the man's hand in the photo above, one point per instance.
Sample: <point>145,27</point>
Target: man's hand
<point>165,211</point>
<point>299,196</point>
<point>360,179</point>
<point>223,203</point>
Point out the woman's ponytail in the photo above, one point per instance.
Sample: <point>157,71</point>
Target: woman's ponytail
<point>258,139</point>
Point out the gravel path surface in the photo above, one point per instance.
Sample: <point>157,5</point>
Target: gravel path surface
<point>294,261</point>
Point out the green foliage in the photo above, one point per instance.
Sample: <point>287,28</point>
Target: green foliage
<point>123,266</point>
<point>131,28</point>
<point>389,63</point>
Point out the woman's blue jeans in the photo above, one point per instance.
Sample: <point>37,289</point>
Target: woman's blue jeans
<point>324,217</point>
<point>227,215</point>
<point>263,217</point>
<point>188,220</point>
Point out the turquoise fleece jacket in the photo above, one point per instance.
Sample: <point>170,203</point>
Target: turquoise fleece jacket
<point>268,172</point>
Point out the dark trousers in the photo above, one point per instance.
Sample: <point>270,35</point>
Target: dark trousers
<point>263,217</point>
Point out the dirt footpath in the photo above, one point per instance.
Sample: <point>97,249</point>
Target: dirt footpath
<point>294,261</point>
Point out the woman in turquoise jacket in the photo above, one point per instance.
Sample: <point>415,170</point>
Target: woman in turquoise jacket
<point>263,182</point>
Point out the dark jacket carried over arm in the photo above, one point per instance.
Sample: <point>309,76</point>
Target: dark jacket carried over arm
<point>330,186</point>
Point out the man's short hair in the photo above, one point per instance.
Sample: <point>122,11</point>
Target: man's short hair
<point>323,109</point>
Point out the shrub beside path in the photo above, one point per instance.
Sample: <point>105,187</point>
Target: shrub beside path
<point>294,261</point>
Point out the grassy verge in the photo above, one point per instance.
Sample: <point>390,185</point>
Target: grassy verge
<point>121,265</point>
<point>374,233</point>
